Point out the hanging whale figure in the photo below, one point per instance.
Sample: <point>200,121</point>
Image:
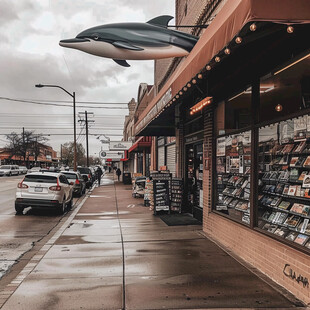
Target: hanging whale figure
<point>133,41</point>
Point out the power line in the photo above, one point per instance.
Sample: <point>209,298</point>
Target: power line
<point>60,105</point>
<point>68,101</point>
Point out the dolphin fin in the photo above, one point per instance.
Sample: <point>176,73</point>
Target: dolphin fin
<point>161,21</point>
<point>126,45</point>
<point>123,63</point>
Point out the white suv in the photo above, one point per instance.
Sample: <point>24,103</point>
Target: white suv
<point>44,190</point>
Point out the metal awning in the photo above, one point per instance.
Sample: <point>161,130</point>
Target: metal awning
<point>222,32</point>
<point>141,144</point>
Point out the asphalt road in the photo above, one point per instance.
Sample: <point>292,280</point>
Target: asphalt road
<point>19,233</point>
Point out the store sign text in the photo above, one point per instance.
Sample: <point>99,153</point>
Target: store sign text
<point>290,273</point>
<point>156,108</point>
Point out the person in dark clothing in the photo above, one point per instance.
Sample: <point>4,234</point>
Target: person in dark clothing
<point>99,174</point>
<point>118,173</point>
<point>110,169</point>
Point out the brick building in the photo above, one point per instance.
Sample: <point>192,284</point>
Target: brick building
<point>239,108</point>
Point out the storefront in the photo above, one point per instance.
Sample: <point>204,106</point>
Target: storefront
<point>253,63</point>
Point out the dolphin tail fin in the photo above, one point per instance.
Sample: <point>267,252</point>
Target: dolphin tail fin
<point>123,63</point>
<point>161,21</point>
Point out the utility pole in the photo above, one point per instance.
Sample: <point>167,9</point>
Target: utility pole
<point>61,153</point>
<point>84,119</point>
<point>87,154</point>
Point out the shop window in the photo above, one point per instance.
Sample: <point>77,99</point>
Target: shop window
<point>286,91</point>
<point>284,180</point>
<point>233,161</point>
<point>238,111</point>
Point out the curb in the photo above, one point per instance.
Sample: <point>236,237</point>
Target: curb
<point>33,262</point>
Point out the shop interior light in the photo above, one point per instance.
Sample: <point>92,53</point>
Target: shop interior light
<point>217,59</point>
<point>290,29</point>
<point>208,67</point>
<point>199,76</point>
<point>226,51</point>
<point>253,27</point>
<point>292,64</point>
<point>200,105</point>
<point>278,107</point>
<point>238,40</point>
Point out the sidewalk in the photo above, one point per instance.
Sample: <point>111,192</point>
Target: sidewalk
<point>113,253</point>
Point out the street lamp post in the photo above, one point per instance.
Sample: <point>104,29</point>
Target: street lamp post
<point>74,121</point>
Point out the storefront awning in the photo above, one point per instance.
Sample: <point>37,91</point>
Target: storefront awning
<point>224,29</point>
<point>140,144</point>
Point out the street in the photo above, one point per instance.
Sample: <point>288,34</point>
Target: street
<point>19,233</point>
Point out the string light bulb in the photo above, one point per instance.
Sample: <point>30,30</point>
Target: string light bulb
<point>199,76</point>
<point>189,85</point>
<point>238,40</point>
<point>217,59</point>
<point>181,93</point>
<point>194,81</point>
<point>208,67</point>
<point>290,29</point>
<point>185,88</point>
<point>253,27</point>
<point>279,107</point>
<point>227,51</point>
<point>177,96</point>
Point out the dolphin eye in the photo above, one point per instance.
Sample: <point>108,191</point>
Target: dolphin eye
<point>95,36</point>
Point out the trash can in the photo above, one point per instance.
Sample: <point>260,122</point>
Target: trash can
<point>126,178</point>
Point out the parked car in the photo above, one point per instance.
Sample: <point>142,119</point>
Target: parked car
<point>22,169</point>
<point>35,169</point>
<point>76,179</point>
<point>9,170</point>
<point>44,190</point>
<point>87,176</point>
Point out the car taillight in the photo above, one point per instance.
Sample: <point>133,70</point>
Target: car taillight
<point>77,182</point>
<point>21,185</point>
<point>89,176</point>
<point>55,188</point>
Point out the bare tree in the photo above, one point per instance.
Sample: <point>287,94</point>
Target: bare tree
<point>25,144</point>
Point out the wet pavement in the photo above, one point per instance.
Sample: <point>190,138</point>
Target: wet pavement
<point>113,253</point>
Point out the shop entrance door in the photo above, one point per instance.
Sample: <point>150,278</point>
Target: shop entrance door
<point>194,179</point>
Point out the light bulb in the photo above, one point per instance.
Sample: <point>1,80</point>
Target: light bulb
<point>185,88</point>
<point>238,40</point>
<point>199,76</point>
<point>217,59</point>
<point>208,67</point>
<point>290,29</point>
<point>253,27</point>
<point>194,81</point>
<point>278,107</point>
<point>227,51</point>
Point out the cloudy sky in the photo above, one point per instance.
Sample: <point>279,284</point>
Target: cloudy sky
<point>30,54</point>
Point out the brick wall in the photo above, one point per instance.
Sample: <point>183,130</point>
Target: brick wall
<point>267,255</point>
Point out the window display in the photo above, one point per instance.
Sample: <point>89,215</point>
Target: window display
<point>284,180</point>
<point>233,161</point>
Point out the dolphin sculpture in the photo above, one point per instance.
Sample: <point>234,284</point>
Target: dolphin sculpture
<point>134,41</point>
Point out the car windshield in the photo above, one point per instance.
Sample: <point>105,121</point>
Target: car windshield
<point>5,167</point>
<point>40,178</point>
<point>84,170</point>
<point>70,176</point>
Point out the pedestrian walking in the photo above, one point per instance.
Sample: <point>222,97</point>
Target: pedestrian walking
<point>99,174</point>
<point>118,172</point>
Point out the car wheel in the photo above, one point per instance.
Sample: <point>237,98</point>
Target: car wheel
<point>62,207</point>
<point>19,209</point>
<point>70,203</point>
